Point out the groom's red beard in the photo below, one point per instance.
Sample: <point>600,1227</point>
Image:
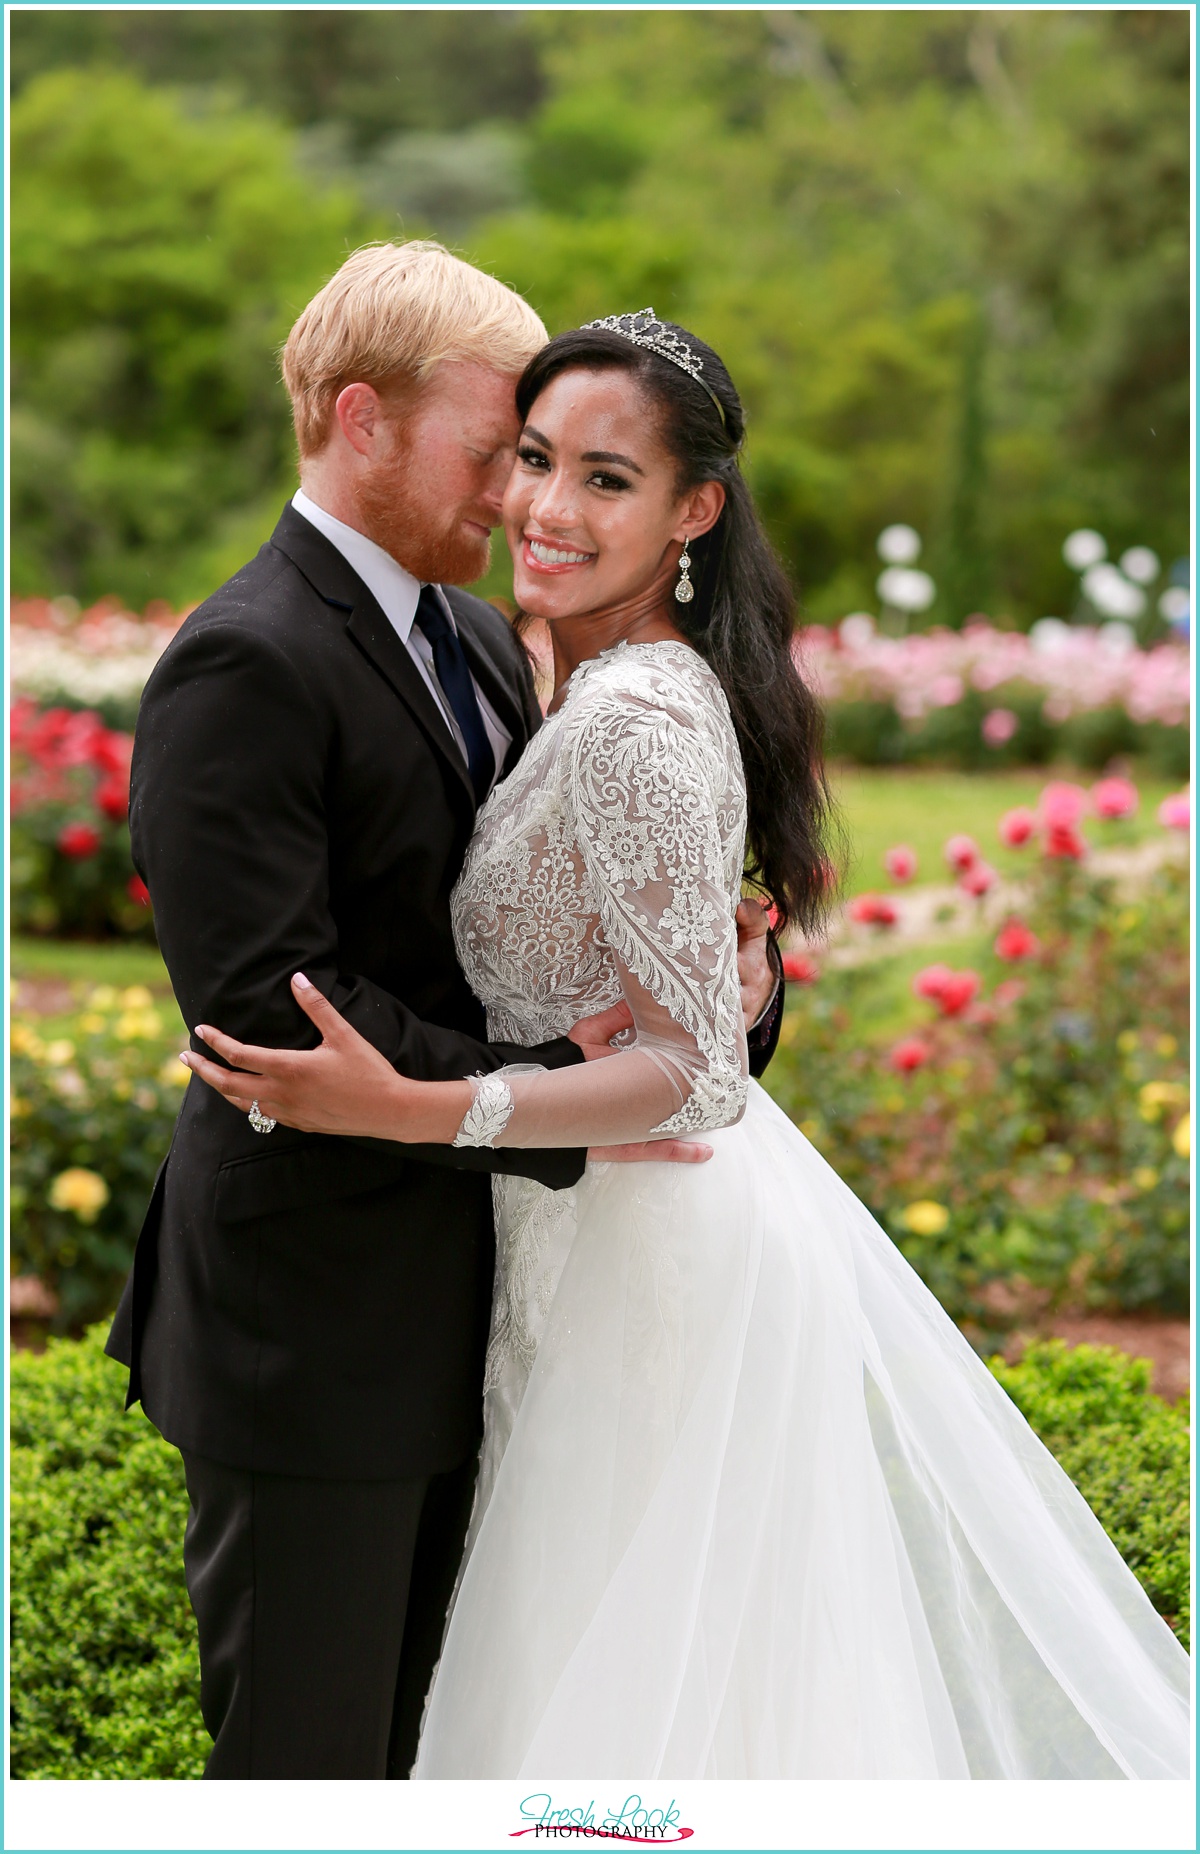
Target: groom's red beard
<point>431,543</point>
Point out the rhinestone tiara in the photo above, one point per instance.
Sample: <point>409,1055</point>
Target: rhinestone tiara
<point>644,329</point>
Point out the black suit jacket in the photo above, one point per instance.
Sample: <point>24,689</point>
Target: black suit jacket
<point>300,1303</point>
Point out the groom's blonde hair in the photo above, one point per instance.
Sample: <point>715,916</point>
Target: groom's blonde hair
<point>387,317</point>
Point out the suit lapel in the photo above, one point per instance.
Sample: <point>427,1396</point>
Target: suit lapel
<point>376,638</point>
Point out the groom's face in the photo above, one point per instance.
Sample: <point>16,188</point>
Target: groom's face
<point>432,495</point>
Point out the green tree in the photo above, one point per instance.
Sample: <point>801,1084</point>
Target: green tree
<point>159,256</point>
<point>836,200</point>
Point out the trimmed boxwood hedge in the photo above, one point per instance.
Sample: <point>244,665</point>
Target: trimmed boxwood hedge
<point>104,1670</point>
<point>105,1677</point>
<point>1127,1452</point>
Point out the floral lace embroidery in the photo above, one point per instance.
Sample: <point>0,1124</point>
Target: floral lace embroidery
<point>619,835</point>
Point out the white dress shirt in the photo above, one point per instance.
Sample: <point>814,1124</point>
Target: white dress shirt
<point>397,593</point>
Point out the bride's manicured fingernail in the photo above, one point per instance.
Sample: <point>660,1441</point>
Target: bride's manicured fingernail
<point>300,982</point>
<point>186,1060</point>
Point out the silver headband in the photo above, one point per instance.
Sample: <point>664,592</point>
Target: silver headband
<point>645,330</point>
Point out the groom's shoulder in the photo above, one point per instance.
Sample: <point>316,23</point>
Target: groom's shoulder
<point>269,600</point>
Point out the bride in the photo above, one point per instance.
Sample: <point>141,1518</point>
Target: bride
<point>748,1505</point>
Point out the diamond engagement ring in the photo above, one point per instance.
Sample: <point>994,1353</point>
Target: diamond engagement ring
<point>259,1121</point>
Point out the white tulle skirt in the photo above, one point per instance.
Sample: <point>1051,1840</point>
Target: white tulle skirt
<point>754,1508</point>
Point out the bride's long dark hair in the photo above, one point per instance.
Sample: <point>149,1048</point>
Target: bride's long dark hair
<point>741,619</point>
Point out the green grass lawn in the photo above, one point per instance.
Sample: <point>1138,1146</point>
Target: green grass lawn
<point>88,962</point>
<point>922,806</point>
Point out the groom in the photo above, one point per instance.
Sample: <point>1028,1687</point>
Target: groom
<point>307,1315</point>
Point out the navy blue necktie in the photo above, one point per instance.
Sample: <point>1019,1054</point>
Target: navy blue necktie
<point>453,672</point>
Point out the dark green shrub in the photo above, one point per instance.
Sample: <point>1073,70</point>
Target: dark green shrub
<point>1125,1450</point>
<point>1097,736</point>
<point>105,1676</point>
<point>1169,749</point>
<point>870,733</point>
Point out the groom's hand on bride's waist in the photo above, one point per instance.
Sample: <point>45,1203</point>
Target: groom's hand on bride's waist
<point>655,1151</point>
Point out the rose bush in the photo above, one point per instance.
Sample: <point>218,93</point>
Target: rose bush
<point>983,697</point>
<point>92,1106</point>
<point>71,870</point>
<point>1026,1140</point>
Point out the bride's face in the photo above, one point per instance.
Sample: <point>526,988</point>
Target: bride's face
<point>592,512</point>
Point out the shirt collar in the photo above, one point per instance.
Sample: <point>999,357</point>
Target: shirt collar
<point>393,586</point>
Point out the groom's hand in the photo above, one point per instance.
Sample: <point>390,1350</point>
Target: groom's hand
<point>594,1035</point>
<point>654,1151</point>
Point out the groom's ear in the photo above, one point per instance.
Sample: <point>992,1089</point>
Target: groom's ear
<point>701,510</point>
<point>361,416</point>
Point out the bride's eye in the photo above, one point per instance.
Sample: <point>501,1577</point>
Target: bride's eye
<point>604,479</point>
<point>529,454</point>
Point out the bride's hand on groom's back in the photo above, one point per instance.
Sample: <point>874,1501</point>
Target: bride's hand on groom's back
<point>610,1030</point>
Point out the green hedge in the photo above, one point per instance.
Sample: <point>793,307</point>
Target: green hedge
<point>1126,1451</point>
<point>104,1670</point>
<point>105,1678</point>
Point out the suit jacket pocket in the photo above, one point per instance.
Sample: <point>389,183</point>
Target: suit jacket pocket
<point>329,1169</point>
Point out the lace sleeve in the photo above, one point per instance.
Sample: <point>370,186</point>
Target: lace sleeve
<point>656,809</point>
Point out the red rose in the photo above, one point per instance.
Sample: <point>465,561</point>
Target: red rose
<point>874,911</point>
<point>977,879</point>
<point>799,969</point>
<point>1065,841</point>
<point>930,981</point>
<point>961,853</point>
<point>957,993</point>
<point>1015,941</point>
<point>1017,826</point>
<point>137,891</point>
<point>112,752</point>
<point>1061,805</point>
<point>900,863</point>
<point>79,840</point>
<point>1114,798</point>
<point>911,1054</point>
<point>112,797</point>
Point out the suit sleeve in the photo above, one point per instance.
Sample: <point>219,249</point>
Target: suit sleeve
<point>229,832</point>
<point>763,1040</point>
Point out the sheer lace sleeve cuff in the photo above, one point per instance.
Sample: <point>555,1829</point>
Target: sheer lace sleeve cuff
<point>490,1112</point>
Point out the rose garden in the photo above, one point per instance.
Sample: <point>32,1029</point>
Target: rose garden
<point>991,1048</point>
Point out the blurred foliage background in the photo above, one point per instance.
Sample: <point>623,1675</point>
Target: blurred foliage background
<point>944,253</point>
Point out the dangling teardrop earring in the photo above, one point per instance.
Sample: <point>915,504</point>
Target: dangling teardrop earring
<point>685,592</point>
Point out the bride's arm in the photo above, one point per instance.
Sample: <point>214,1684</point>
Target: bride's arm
<point>647,786</point>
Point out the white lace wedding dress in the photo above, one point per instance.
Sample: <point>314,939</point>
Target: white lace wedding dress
<point>750,1506</point>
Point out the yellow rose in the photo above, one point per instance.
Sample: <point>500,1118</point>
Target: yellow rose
<point>173,1074</point>
<point>18,1107</point>
<point>1145,1177</point>
<point>1156,1095</point>
<point>83,1192</point>
<point>1127,1042</point>
<point>132,1025</point>
<point>59,1052</point>
<point>27,1042</point>
<point>1181,1138</point>
<point>925,1217</point>
<point>103,998</point>
<point>136,998</point>
<point>92,1024</point>
<point>1166,1045</point>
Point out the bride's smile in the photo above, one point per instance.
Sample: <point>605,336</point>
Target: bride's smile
<point>595,516</point>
